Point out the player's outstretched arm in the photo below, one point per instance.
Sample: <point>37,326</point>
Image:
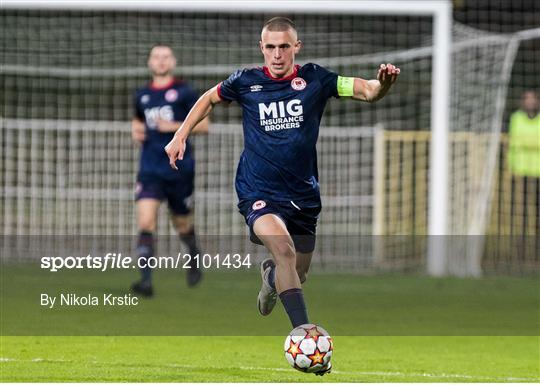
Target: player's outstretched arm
<point>375,89</point>
<point>176,147</point>
<point>172,126</point>
<point>202,127</point>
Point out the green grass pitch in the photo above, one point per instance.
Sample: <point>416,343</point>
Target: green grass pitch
<point>260,359</point>
<point>385,328</point>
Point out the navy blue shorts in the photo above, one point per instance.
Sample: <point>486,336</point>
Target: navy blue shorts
<point>299,217</point>
<point>178,192</point>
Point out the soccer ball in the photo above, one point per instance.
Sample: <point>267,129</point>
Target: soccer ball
<point>308,348</point>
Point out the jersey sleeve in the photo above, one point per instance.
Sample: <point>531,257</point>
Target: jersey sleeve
<point>138,113</point>
<point>228,89</point>
<point>328,80</point>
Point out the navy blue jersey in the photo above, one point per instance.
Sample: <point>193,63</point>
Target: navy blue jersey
<point>172,103</point>
<point>281,119</point>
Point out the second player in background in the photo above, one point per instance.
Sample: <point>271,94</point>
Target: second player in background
<point>160,108</point>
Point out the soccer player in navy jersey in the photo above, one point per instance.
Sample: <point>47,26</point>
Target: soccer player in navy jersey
<point>160,108</point>
<point>277,179</point>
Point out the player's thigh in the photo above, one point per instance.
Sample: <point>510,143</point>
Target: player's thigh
<point>273,233</point>
<point>183,223</point>
<point>147,212</point>
<point>303,261</point>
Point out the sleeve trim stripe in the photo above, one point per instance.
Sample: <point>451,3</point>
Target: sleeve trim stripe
<point>219,91</point>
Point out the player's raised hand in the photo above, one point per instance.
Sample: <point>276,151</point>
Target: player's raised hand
<point>175,149</point>
<point>387,74</point>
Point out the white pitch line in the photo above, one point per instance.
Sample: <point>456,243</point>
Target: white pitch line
<point>261,368</point>
<point>393,374</point>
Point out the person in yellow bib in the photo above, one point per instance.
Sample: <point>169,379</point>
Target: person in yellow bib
<point>524,163</point>
<point>524,130</point>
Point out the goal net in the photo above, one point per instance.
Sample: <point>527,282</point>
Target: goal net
<point>68,165</point>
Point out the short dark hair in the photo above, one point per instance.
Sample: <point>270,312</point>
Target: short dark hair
<point>279,23</point>
<point>160,45</point>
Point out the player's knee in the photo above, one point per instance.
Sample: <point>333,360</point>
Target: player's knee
<point>183,224</point>
<point>285,253</point>
<point>184,228</point>
<point>147,225</point>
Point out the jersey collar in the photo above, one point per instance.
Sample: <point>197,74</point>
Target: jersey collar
<point>290,77</point>
<point>163,87</point>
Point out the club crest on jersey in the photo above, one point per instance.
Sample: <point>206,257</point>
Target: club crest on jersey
<point>258,205</point>
<point>171,95</point>
<point>298,84</point>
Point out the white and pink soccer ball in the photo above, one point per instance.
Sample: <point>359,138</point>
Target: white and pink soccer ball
<point>308,348</point>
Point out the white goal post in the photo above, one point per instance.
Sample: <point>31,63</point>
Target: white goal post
<point>439,10</point>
